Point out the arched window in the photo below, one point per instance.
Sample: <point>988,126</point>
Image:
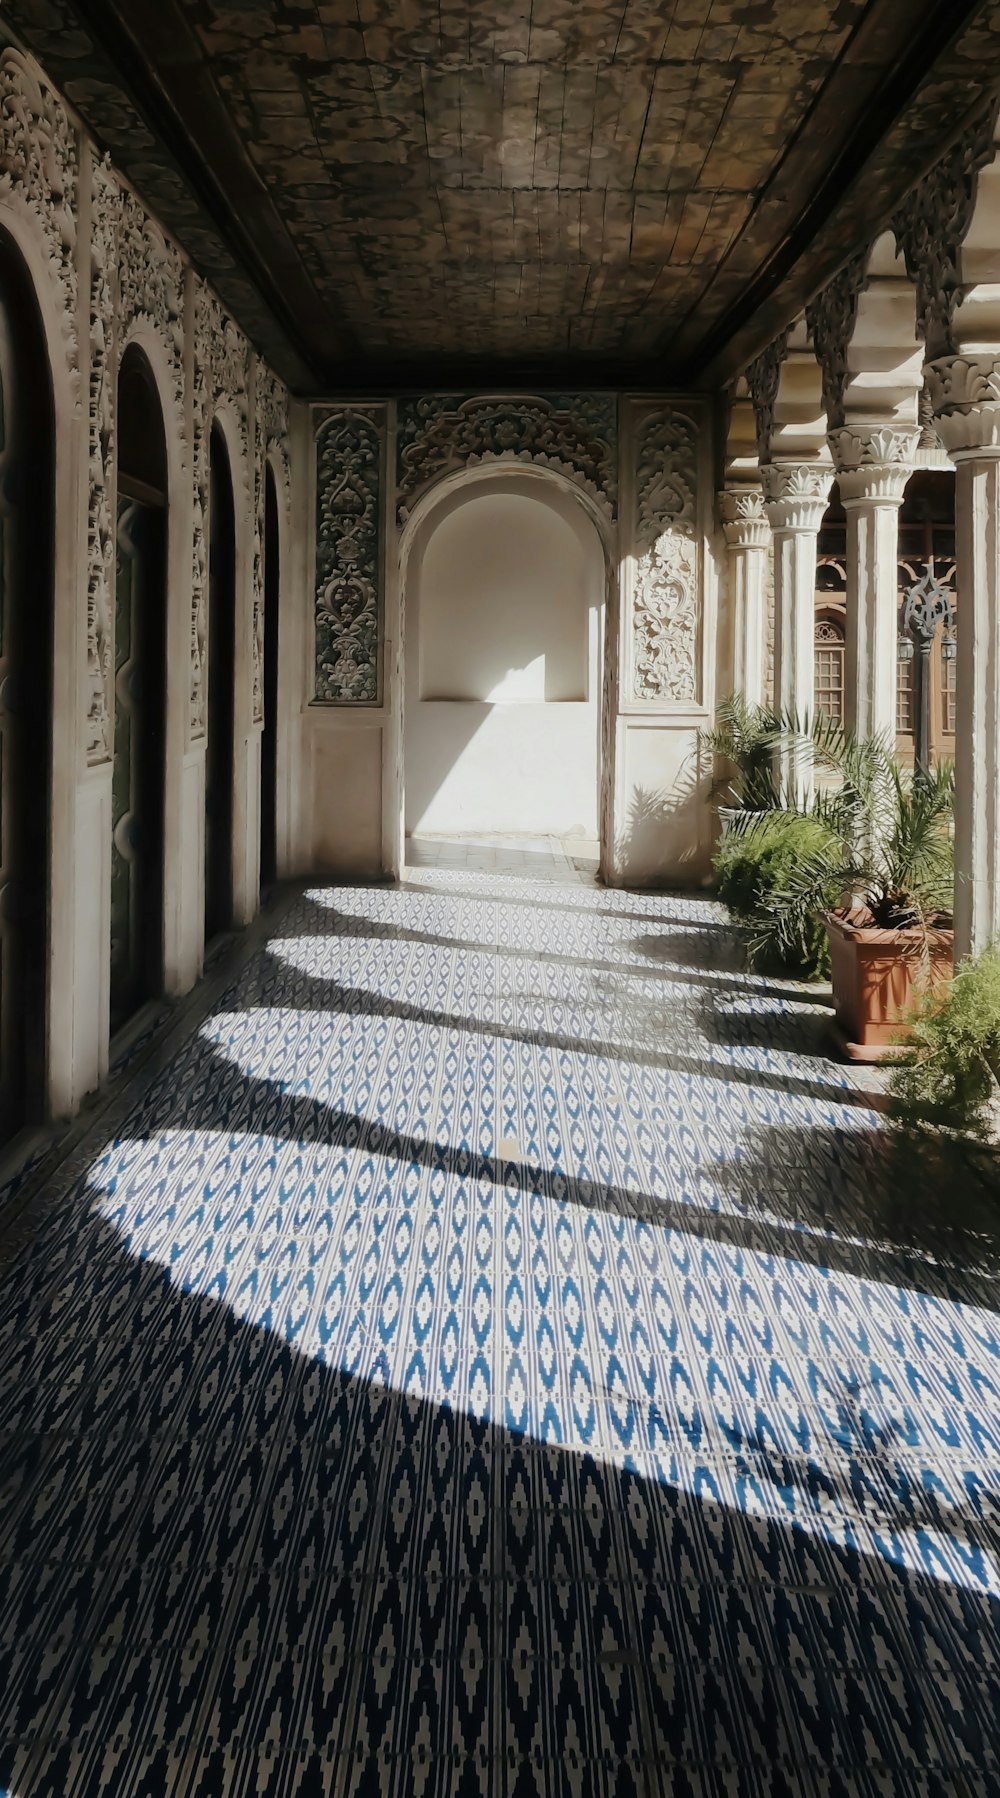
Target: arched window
<point>948,674</point>
<point>829,668</point>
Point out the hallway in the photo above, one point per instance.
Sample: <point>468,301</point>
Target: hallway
<point>487,1354</point>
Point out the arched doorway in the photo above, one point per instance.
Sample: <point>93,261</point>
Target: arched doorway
<point>221,689</point>
<point>269,742</point>
<point>505,582</point>
<point>140,693</point>
<point>26,534</point>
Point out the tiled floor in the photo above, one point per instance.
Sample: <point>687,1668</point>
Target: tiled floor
<point>491,1355</point>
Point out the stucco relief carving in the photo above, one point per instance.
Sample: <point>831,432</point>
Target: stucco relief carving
<point>744,520</point>
<point>931,226</point>
<point>348,556</point>
<point>666,598</point>
<point>873,462</point>
<point>151,286</point>
<point>105,208</point>
<point>930,437</point>
<point>221,375</point>
<point>575,434</point>
<point>257,585</point>
<point>796,494</point>
<point>831,319</point>
<point>272,409</point>
<point>197,690</point>
<point>763,379</point>
<point>39,174</point>
<point>965,395</point>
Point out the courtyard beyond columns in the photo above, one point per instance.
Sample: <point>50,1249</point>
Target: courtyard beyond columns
<point>482,1347</point>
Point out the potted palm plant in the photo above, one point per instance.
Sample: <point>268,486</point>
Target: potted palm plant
<point>881,877</point>
<point>743,739</point>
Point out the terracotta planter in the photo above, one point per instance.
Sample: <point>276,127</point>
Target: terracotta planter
<point>876,977</point>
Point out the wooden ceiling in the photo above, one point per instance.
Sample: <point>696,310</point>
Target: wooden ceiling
<point>401,191</point>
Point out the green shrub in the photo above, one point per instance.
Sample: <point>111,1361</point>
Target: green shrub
<point>752,868</point>
<point>950,1077</point>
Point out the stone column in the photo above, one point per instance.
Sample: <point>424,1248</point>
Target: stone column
<point>749,538</point>
<point>966,395</point>
<point>796,495</point>
<point>873,464</point>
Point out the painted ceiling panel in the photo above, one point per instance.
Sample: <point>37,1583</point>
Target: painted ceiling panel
<point>375,183</point>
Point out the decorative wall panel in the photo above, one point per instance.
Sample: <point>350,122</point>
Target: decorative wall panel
<point>39,175</point>
<point>666,607</point>
<point>574,433</point>
<point>221,377</point>
<point>349,485</point>
<point>151,286</point>
<point>257,622</point>
<point>105,216</point>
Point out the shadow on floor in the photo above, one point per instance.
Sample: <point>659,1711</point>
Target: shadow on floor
<point>228,1565</point>
<point>249,1546</point>
<point>521,1025</point>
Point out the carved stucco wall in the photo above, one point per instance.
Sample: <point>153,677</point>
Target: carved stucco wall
<point>435,435</point>
<point>350,599</point>
<point>573,433</point>
<point>133,282</point>
<point>221,378</point>
<point>666,598</point>
<point>577,435</point>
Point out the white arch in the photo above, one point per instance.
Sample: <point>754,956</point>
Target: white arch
<point>446,487</point>
<point>180,958</point>
<point>243,797</point>
<point>276,460</point>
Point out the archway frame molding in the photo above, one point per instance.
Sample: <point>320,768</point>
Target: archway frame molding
<point>225,413</point>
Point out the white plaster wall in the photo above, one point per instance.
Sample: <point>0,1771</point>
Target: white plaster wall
<point>345,762</point>
<point>664,822</point>
<point>503,622</point>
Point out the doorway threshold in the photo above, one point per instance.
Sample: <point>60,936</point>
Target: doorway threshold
<point>531,857</point>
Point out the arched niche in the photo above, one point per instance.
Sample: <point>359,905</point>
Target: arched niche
<point>27,527</point>
<point>220,714</point>
<point>505,578</point>
<point>139,768</point>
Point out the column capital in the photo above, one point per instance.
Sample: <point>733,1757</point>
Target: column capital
<point>965,394</point>
<point>744,520</point>
<point>796,494</point>
<point>873,462</point>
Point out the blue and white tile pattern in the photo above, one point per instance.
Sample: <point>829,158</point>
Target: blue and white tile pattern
<point>490,1358</point>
